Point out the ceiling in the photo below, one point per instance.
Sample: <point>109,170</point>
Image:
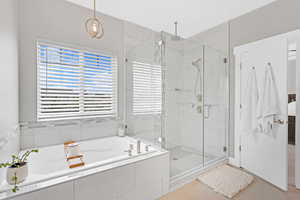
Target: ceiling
<point>193,16</point>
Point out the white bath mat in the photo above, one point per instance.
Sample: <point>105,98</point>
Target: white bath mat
<point>226,180</point>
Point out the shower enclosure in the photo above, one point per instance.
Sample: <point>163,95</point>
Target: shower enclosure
<point>195,105</point>
<point>193,119</point>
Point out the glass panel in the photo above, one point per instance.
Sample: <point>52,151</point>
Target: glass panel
<point>143,77</point>
<point>215,85</point>
<point>183,132</point>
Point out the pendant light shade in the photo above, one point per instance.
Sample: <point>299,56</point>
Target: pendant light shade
<point>94,26</point>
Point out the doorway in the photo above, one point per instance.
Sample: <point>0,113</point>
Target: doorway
<point>271,155</point>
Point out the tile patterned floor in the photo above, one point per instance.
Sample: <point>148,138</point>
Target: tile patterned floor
<point>258,190</point>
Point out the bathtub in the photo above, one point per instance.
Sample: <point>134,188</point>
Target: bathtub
<point>50,162</point>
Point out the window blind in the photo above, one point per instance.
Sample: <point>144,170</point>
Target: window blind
<point>147,89</point>
<point>73,83</point>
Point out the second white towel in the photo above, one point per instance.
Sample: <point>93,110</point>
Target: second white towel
<point>268,106</point>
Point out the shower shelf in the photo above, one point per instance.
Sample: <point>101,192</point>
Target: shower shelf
<point>182,90</point>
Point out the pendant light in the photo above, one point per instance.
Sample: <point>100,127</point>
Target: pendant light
<point>93,25</point>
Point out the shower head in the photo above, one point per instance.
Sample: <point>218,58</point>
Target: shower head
<point>196,63</point>
<point>176,37</point>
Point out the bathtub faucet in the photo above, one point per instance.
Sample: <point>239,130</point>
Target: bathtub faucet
<point>130,150</point>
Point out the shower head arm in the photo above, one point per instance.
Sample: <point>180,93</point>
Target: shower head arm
<point>176,28</point>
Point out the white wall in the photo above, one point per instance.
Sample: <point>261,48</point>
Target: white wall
<point>9,81</point>
<point>193,17</point>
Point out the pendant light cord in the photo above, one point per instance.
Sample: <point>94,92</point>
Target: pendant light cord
<point>95,8</point>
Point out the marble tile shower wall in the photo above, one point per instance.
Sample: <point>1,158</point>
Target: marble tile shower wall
<point>192,120</point>
<point>37,21</point>
<point>174,84</point>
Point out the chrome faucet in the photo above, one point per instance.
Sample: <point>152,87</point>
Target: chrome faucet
<point>130,150</point>
<point>138,146</point>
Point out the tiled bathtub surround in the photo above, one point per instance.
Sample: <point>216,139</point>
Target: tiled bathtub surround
<point>143,176</point>
<point>51,134</point>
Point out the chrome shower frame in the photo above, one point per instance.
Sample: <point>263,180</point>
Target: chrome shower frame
<point>162,46</point>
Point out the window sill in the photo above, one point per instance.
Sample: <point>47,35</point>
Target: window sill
<point>65,122</point>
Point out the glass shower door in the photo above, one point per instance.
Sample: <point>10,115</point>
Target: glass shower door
<point>215,105</point>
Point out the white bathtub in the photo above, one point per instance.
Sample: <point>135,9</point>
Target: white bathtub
<point>50,162</point>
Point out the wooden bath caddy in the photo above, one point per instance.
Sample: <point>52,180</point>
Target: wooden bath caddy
<point>72,158</point>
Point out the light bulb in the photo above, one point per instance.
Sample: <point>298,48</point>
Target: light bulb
<point>94,28</point>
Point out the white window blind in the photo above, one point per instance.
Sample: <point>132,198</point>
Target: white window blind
<point>147,91</point>
<point>73,83</point>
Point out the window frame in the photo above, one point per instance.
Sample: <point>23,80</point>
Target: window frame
<point>82,50</point>
<point>146,113</point>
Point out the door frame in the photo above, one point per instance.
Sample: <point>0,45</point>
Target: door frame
<point>236,160</point>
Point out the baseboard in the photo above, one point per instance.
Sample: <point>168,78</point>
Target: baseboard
<point>234,162</point>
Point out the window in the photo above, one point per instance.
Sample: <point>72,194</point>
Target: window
<point>75,84</point>
<point>147,91</point>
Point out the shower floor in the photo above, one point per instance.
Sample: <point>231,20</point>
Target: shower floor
<point>183,160</point>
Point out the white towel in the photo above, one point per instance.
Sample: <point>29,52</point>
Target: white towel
<point>250,104</point>
<point>292,108</point>
<point>268,106</point>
